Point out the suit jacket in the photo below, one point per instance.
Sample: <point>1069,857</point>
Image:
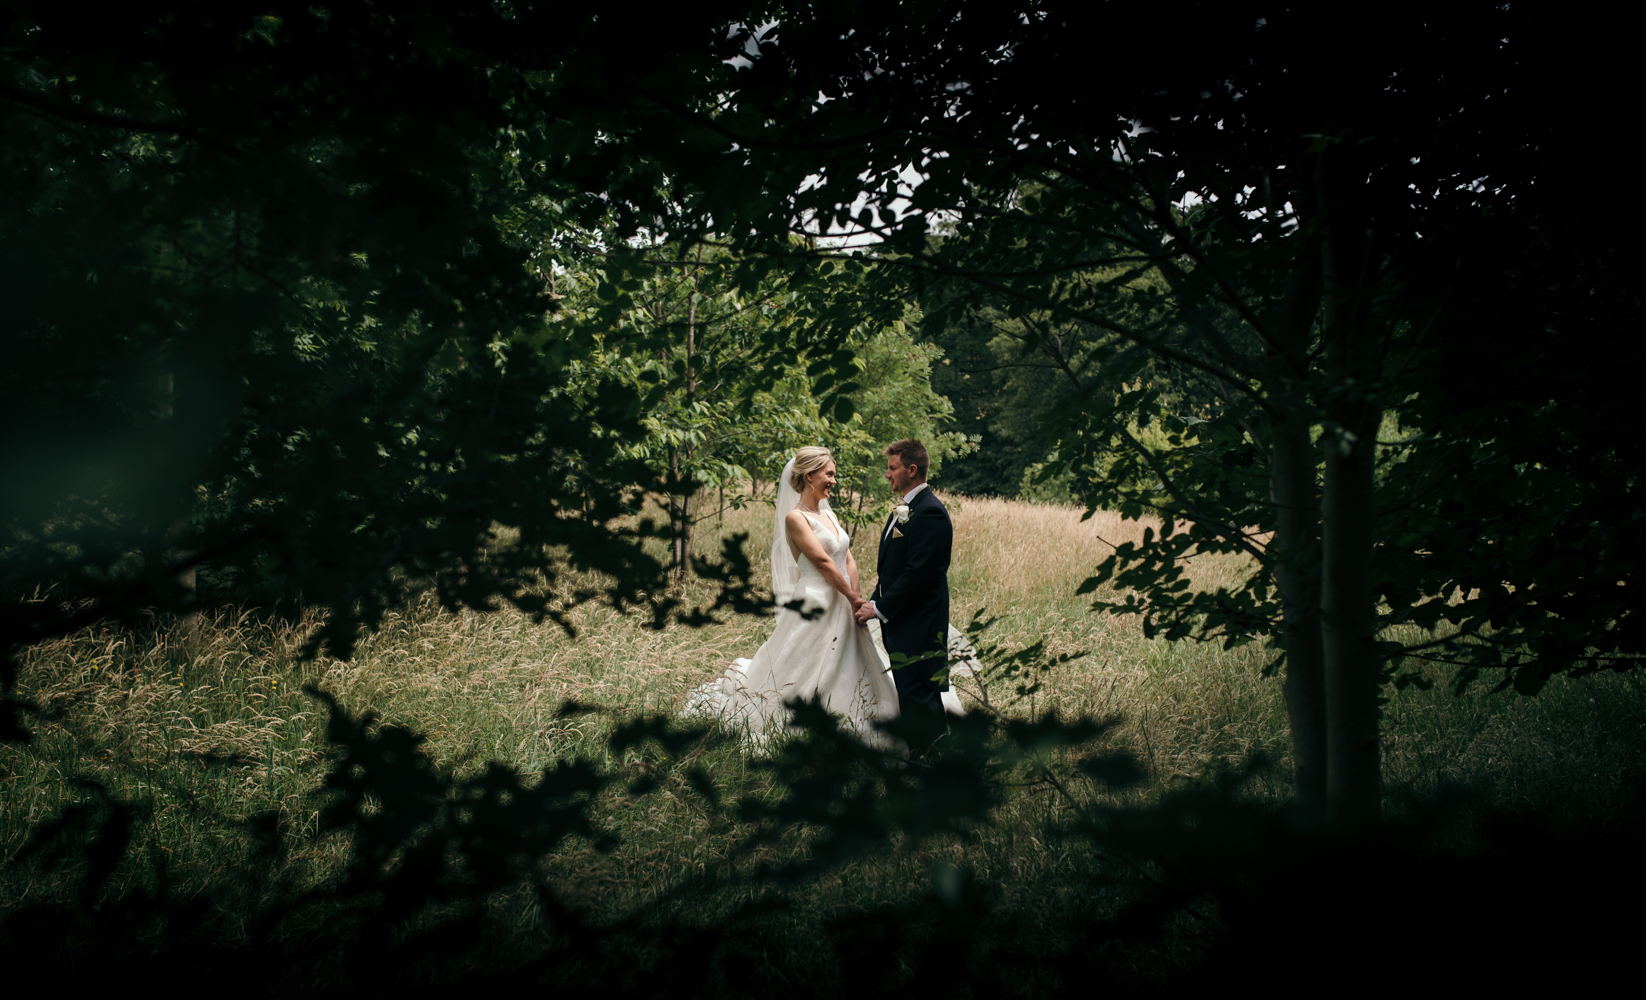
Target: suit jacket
<point>912,590</point>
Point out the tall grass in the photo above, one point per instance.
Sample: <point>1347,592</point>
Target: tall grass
<point>206,723</point>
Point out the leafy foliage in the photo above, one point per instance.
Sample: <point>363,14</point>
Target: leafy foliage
<point>1156,248</point>
<point>1203,869</point>
<point>285,325</point>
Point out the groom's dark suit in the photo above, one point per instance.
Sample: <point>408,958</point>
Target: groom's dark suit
<point>912,592</point>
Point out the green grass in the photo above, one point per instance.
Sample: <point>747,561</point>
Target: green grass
<point>206,724</point>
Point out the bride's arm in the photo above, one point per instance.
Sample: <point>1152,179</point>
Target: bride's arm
<point>851,574</point>
<point>800,533</point>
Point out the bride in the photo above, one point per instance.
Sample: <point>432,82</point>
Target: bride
<point>821,652</point>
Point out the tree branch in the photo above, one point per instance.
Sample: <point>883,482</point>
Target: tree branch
<point>71,113</point>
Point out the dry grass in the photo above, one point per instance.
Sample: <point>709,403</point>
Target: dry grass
<point>208,725</point>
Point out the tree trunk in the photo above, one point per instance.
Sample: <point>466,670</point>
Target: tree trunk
<point>1348,606</point>
<point>1348,619</point>
<point>1297,574</point>
<point>189,617</point>
<point>680,521</point>
<point>1296,549</point>
<point>683,541</point>
<point>681,506</point>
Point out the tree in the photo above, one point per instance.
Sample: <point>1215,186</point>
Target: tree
<point>896,399</point>
<point>1010,374</point>
<point>999,395</point>
<point>274,330</point>
<point>1280,219</point>
<point>274,258</point>
<point>708,341</point>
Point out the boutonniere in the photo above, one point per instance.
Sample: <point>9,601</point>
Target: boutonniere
<point>901,513</point>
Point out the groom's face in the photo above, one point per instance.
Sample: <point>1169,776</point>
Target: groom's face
<point>900,476</point>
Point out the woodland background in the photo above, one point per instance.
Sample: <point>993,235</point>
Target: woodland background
<point>391,394</point>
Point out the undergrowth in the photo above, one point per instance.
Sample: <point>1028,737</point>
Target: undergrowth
<point>198,741</point>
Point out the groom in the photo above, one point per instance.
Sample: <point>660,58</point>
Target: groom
<point>911,596</point>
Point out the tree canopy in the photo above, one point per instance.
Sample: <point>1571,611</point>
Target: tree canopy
<point>1325,243</point>
<point>284,324</point>
<point>311,304</point>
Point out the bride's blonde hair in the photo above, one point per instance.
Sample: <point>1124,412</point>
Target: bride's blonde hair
<point>807,461</point>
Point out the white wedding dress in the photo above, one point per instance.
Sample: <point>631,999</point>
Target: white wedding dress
<point>828,656</point>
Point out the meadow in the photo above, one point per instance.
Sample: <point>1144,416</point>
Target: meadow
<point>204,724</point>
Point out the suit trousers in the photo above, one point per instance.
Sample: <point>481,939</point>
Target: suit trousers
<point>920,701</point>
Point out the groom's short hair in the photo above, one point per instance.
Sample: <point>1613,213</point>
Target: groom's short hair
<point>911,452</point>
